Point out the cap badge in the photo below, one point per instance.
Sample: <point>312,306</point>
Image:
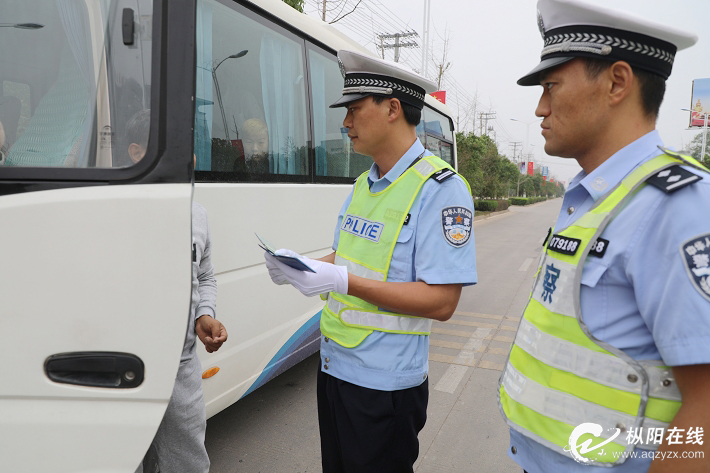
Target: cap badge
<point>342,68</point>
<point>540,24</point>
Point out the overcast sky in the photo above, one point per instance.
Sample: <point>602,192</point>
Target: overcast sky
<point>495,42</point>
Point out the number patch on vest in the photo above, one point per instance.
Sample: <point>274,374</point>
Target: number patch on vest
<point>564,245</point>
<point>599,248</point>
<point>569,246</point>
<point>362,228</point>
<point>456,223</point>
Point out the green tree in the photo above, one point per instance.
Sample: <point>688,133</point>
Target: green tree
<point>297,4</point>
<point>490,174</point>
<point>696,147</point>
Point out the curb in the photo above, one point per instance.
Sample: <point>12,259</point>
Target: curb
<point>492,214</point>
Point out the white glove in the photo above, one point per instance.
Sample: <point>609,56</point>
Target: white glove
<point>327,277</point>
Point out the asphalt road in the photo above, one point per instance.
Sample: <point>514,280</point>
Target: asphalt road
<point>275,429</point>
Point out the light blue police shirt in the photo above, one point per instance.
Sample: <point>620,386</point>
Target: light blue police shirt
<point>392,361</point>
<point>639,297</point>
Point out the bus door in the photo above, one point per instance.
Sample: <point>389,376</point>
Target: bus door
<point>95,227</point>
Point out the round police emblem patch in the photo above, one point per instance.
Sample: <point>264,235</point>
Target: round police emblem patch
<point>456,224</point>
<point>696,256</point>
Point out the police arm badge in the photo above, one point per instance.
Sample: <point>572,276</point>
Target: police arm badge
<point>696,256</point>
<point>456,223</point>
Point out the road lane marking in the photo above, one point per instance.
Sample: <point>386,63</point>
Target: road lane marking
<point>480,316</point>
<point>470,323</point>
<point>498,351</point>
<point>445,344</point>
<point>489,365</point>
<point>526,264</point>
<point>451,379</point>
<point>455,333</point>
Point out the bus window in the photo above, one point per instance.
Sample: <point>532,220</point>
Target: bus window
<point>333,149</point>
<point>439,135</point>
<point>69,83</point>
<point>250,116</point>
<point>438,125</point>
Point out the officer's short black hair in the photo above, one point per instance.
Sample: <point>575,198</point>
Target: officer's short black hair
<point>412,114</point>
<point>138,127</point>
<point>653,86</point>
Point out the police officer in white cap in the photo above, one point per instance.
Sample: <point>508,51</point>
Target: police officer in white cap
<point>403,250</point>
<point>611,363</point>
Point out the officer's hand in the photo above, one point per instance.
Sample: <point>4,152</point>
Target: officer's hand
<point>211,332</point>
<point>327,277</point>
<point>277,276</point>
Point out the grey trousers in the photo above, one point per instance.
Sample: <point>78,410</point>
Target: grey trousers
<point>179,444</point>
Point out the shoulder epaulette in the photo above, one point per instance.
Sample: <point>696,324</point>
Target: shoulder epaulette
<point>673,178</point>
<point>444,174</point>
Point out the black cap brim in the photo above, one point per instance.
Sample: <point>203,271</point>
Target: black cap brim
<point>347,98</point>
<point>533,77</point>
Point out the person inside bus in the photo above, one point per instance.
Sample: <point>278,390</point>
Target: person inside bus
<point>256,146</point>
<point>404,248</point>
<point>179,444</point>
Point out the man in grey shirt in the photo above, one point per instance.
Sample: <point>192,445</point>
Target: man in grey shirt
<point>179,444</point>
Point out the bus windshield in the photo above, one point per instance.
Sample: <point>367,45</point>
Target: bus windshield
<point>75,83</point>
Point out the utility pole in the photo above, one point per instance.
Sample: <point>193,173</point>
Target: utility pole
<point>397,44</point>
<point>515,145</point>
<point>485,116</point>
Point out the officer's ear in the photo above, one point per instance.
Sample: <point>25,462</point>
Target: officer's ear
<point>395,110</point>
<point>621,82</point>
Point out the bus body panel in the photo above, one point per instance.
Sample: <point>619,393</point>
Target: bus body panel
<point>273,326</point>
<point>86,270</point>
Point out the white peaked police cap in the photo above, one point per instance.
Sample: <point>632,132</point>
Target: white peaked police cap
<point>367,75</point>
<point>573,28</point>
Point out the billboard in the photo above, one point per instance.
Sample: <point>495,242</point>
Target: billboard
<point>531,168</point>
<point>700,102</point>
<point>521,166</point>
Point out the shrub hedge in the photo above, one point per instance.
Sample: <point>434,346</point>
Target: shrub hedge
<point>526,200</point>
<point>491,205</point>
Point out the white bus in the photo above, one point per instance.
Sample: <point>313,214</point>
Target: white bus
<point>277,89</point>
<point>96,249</point>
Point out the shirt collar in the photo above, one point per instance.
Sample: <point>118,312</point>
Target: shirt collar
<point>612,171</point>
<point>377,184</point>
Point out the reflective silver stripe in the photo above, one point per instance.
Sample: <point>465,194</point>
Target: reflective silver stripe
<point>570,409</point>
<point>553,291</point>
<point>424,167</point>
<point>602,368</point>
<point>358,269</point>
<point>590,220</point>
<point>386,322</point>
<point>335,305</point>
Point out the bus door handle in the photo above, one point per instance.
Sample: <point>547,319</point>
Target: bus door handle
<point>96,369</point>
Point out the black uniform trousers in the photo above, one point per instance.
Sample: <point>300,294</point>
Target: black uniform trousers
<point>369,431</point>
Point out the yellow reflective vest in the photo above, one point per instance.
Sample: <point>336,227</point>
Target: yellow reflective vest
<point>368,234</point>
<point>558,375</point>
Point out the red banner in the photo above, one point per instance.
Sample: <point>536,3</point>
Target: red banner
<point>531,168</point>
<point>439,95</point>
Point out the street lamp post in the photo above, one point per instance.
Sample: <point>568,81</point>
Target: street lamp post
<point>219,94</point>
